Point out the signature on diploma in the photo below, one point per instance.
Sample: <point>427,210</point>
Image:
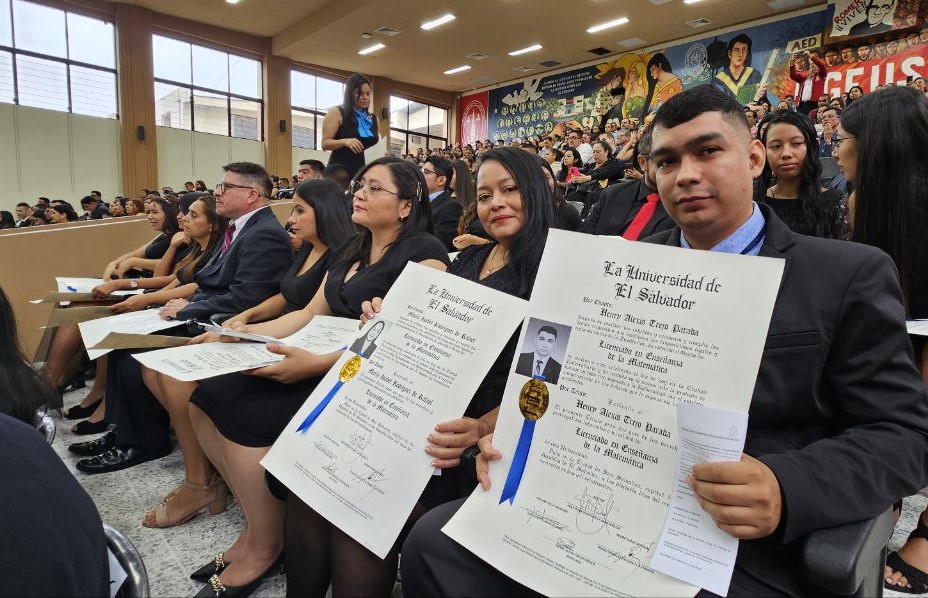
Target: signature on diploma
<point>355,446</point>
<point>370,478</point>
<point>542,516</point>
<point>331,467</point>
<point>592,511</point>
<point>637,555</point>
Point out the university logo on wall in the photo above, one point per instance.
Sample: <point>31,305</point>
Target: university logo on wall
<point>474,118</point>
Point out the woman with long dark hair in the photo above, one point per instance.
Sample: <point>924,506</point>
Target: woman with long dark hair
<point>162,217</point>
<point>470,231</point>
<point>319,220</point>
<point>604,171</point>
<point>204,230</point>
<point>881,141</point>
<point>351,128</point>
<point>662,83</point>
<point>22,390</point>
<point>237,417</point>
<point>790,180</point>
<point>60,213</point>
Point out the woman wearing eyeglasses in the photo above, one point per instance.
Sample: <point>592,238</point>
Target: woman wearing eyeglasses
<point>880,150</point>
<point>238,417</point>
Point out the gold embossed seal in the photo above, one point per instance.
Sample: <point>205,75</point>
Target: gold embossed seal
<point>533,399</point>
<point>352,366</point>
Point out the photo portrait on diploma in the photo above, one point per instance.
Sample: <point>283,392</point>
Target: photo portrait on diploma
<point>366,345</point>
<point>543,350</point>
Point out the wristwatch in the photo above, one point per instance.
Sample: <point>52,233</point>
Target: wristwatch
<point>133,283</point>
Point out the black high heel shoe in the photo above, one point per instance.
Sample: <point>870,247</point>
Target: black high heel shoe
<point>86,427</point>
<point>214,588</point>
<point>78,412</point>
<point>214,567</point>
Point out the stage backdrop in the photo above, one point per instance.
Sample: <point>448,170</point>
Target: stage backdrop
<point>747,64</point>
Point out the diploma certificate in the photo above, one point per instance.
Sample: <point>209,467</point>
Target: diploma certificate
<point>323,334</point>
<point>137,322</point>
<point>579,499</point>
<point>355,451</point>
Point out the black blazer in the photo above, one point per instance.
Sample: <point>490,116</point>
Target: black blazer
<point>525,367</point>
<point>838,411</point>
<point>446,212</point>
<point>617,207</point>
<point>247,274</point>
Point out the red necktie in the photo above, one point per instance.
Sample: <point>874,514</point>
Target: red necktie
<point>228,238</point>
<point>641,219</point>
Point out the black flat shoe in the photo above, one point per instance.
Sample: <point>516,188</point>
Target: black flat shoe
<point>86,427</point>
<point>214,587</point>
<point>94,447</point>
<point>214,567</point>
<point>78,412</point>
<point>118,458</point>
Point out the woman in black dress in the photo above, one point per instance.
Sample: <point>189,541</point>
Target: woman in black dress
<point>320,222</point>
<point>238,417</point>
<point>516,207</point>
<point>791,178</point>
<point>882,137</point>
<point>351,128</point>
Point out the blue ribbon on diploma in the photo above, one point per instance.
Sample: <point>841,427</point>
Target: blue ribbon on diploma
<point>349,370</point>
<point>533,402</point>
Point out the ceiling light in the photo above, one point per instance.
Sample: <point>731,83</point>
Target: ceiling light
<point>232,1</point>
<point>459,69</point>
<point>602,26</point>
<point>690,1</point>
<point>526,50</point>
<point>370,49</point>
<point>439,21</point>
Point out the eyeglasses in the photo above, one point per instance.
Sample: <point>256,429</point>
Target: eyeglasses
<point>837,142</point>
<point>366,188</point>
<point>427,171</point>
<point>223,187</point>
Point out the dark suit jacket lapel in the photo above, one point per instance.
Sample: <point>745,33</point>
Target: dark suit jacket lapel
<point>642,194</point>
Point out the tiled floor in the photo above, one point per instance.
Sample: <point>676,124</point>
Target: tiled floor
<point>170,555</point>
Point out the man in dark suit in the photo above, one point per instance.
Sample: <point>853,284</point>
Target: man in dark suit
<point>539,363</point>
<point>244,271</point>
<point>838,427</point>
<point>446,211</point>
<point>620,205</point>
<point>23,210</point>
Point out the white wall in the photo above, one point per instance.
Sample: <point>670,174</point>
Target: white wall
<point>301,153</point>
<point>188,156</point>
<point>57,155</point>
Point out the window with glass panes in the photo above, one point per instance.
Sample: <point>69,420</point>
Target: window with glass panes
<point>56,59</point>
<point>414,125</point>
<point>310,98</point>
<point>202,89</point>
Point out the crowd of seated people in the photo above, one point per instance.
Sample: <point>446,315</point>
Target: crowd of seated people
<point>865,253</point>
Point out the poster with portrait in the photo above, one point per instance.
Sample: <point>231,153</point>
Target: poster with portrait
<point>860,18</point>
<point>747,63</point>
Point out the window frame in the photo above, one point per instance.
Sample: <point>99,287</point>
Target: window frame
<point>407,132</point>
<point>228,95</point>
<point>66,61</point>
<point>317,113</point>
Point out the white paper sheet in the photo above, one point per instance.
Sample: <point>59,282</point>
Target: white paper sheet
<point>118,575</point>
<point>85,285</point>
<point>359,462</point>
<point>324,334</point>
<point>378,150</point>
<point>692,547</point>
<point>919,327</point>
<point>137,322</point>
<point>640,328</point>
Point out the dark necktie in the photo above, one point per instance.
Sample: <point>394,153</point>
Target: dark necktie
<point>228,238</point>
<point>538,368</point>
<point>642,218</point>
